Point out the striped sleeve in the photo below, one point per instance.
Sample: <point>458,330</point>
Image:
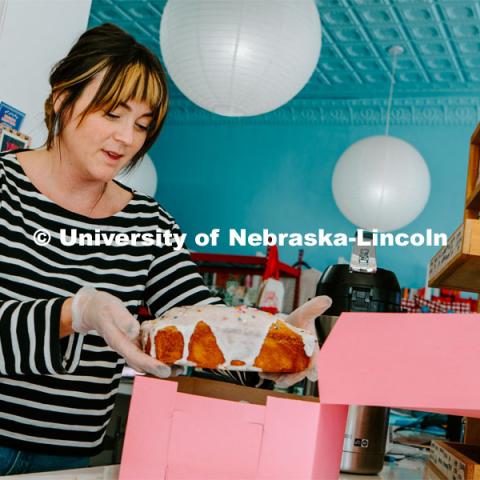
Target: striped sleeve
<point>173,278</point>
<point>29,339</point>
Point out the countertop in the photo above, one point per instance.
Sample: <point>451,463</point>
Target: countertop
<point>403,470</point>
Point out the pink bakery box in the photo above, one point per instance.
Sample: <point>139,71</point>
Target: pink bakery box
<point>412,361</point>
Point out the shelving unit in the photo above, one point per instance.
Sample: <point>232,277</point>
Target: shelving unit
<point>457,265</point>
<point>472,193</point>
<point>243,264</point>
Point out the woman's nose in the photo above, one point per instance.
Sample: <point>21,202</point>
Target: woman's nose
<point>124,133</point>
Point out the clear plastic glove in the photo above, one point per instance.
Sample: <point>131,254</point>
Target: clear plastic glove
<point>106,314</point>
<point>303,317</point>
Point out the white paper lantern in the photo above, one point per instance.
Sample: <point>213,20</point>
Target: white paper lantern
<point>240,57</point>
<point>381,183</point>
<point>142,178</point>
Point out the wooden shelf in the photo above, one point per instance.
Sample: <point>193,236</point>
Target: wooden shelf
<point>457,265</point>
<point>473,201</point>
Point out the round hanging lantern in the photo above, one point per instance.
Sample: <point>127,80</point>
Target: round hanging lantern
<point>142,178</point>
<point>240,57</point>
<point>381,183</point>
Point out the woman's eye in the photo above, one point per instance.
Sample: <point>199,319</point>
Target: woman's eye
<point>144,128</point>
<point>111,115</point>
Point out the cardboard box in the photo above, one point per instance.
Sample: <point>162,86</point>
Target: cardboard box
<point>456,461</point>
<point>413,361</point>
<point>194,428</point>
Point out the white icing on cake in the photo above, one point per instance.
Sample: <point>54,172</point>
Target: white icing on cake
<point>239,332</point>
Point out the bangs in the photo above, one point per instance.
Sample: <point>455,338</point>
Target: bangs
<point>134,82</point>
<point>127,72</point>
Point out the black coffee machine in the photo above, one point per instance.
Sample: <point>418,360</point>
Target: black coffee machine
<point>360,287</point>
<point>354,291</point>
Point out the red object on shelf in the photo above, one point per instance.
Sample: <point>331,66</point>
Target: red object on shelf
<point>272,269</point>
<point>272,291</point>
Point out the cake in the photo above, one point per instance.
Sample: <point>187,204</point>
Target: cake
<point>227,338</point>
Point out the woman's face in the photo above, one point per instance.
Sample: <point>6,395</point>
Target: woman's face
<point>104,142</point>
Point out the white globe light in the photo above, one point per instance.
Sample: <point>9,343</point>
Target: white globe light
<point>142,178</point>
<point>381,183</point>
<point>240,57</point>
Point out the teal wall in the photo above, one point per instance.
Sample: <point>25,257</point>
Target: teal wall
<point>259,176</point>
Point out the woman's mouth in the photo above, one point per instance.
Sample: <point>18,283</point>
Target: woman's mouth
<point>112,155</point>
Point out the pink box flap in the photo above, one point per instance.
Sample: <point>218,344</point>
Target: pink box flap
<point>148,434</point>
<point>289,439</point>
<point>415,361</point>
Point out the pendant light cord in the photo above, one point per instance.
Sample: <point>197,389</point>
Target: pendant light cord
<point>392,85</point>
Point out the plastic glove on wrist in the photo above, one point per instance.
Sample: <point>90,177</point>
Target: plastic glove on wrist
<point>303,317</point>
<point>100,311</point>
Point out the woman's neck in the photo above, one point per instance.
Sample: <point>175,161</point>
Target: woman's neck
<point>60,180</point>
<point>66,171</point>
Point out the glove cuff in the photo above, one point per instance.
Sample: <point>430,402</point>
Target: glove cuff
<point>78,308</point>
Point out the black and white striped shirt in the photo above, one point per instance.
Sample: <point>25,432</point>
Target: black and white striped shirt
<point>56,396</point>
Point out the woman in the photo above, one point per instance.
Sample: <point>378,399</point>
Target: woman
<point>67,322</point>
<point>58,383</point>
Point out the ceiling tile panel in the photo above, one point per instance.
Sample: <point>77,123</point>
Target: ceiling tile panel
<point>445,76</point>
<point>360,49</point>
<point>327,3</point>
<point>466,30</point>
<point>386,34</point>
<point>461,11</point>
<point>469,47</point>
<point>376,77</point>
<point>366,3</point>
<point>418,14</point>
<point>346,34</point>
<point>441,39</point>
<point>432,48</point>
<point>337,17</point>
<point>473,62</point>
<point>438,63</point>
<point>424,32</point>
<point>474,75</point>
<point>375,16</point>
<point>405,63</point>
<point>410,76</point>
<point>366,64</point>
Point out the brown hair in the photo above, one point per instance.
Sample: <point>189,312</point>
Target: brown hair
<point>132,73</point>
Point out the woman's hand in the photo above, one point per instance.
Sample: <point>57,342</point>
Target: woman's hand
<point>303,317</point>
<point>106,314</point>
